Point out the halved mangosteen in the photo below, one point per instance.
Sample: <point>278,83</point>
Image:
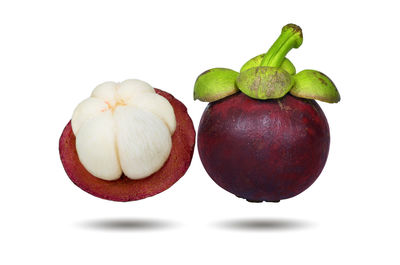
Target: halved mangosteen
<point>127,141</point>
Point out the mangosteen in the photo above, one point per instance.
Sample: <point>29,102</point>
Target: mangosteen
<point>263,137</point>
<point>127,141</point>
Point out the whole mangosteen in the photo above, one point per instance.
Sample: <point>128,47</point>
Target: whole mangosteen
<point>263,137</point>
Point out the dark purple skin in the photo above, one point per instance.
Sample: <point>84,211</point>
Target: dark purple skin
<point>263,150</point>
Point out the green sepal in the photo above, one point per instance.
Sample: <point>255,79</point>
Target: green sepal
<point>264,82</point>
<point>215,84</point>
<point>256,61</point>
<point>313,84</point>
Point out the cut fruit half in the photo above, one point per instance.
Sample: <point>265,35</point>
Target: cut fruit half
<point>124,188</point>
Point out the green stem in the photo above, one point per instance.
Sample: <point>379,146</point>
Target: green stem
<point>291,37</point>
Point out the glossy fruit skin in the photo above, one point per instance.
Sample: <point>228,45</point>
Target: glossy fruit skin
<point>263,150</point>
<point>125,189</point>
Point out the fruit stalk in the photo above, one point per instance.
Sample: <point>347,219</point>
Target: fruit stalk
<point>291,37</point>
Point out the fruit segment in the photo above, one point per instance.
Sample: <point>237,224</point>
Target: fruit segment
<point>126,92</point>
<point>143,141</point>
<point>123,128</point>
<point>87,109</point>
<point>105,92</point>
<point>95,144</point>
<point>157,105</point>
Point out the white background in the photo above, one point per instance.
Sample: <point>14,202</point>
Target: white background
<point>53,53</point>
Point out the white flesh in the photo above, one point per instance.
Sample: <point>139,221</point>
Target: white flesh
<point>144,141</point>
<point>123,128</point>
<point>96,147</point>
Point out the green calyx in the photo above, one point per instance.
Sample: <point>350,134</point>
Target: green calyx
<point>269,79</point>
<point>265,82</point>
<point>315,85</point>
<point>215,84</point>
<point>268,76</point>
<point>256,61</point>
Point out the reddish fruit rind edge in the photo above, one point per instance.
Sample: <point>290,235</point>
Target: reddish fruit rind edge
<point>125,189</point>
